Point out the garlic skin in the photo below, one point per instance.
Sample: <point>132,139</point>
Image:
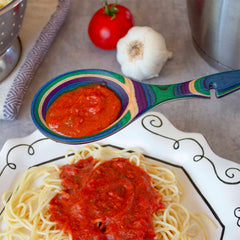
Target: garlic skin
<point>142,53</point>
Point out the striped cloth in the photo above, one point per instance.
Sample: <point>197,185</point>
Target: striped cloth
<point>42,20</point>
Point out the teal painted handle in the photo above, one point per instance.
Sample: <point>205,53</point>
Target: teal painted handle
<point>148,96</point>
<point>224,83</point>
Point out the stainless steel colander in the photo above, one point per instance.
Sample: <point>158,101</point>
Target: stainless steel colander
<point>11,17</point>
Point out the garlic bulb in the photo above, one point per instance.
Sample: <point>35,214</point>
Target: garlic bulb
<point>142,53</point>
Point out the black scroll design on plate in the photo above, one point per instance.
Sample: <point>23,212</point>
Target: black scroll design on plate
<point>237,215</point>
<point>30,151</point>
<point>156,122</point>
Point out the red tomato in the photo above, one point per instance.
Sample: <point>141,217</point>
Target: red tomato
<point>109,24</point>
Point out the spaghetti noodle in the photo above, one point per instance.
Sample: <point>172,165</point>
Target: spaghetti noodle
<point>26,214</point>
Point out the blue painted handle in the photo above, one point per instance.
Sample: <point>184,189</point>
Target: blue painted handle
<point>224,82</point>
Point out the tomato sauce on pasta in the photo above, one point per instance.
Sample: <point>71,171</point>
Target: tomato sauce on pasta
<point>112,200</point>
<point>49,200</point>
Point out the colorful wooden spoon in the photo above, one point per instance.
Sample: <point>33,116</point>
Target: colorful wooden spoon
<point>136,97</point>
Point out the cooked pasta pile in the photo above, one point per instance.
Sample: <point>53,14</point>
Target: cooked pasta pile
<point>26,213</point>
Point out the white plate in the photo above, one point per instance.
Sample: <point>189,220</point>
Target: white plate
<point>212,183</point>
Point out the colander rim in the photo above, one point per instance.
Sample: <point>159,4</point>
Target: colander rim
<point>10,6</point>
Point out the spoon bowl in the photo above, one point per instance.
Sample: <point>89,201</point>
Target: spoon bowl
<point>136,97</point>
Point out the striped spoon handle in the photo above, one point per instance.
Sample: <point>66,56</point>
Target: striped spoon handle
<point>148,96</point>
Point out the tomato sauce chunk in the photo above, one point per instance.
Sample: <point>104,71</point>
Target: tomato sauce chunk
<point>114,200</point>
<point>83,111</point>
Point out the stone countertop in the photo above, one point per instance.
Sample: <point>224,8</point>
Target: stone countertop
<point>218,120</point>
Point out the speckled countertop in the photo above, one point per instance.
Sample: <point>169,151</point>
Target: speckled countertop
<point>218,120</point>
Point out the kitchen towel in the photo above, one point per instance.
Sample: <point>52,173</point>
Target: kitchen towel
<point>41,22</point>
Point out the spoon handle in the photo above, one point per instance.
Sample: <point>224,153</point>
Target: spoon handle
<point>224,83</point>
<point>148,96</point>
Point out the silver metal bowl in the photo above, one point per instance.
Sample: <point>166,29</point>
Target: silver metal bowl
<point>11,17</point>
<point>215,27</point>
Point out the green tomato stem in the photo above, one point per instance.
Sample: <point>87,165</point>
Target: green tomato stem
<point>110,11</point>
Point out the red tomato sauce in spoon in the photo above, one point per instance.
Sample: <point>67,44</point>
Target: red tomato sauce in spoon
<point>83,111</point>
